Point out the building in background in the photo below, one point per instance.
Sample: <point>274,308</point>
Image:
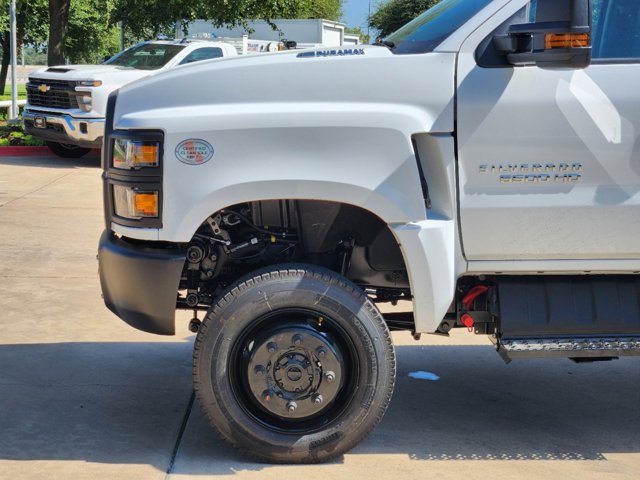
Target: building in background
<point>307,33</point>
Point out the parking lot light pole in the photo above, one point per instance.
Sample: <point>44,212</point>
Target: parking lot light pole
<point>13,112</point>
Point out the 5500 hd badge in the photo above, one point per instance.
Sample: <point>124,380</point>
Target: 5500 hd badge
<point>534,172</point>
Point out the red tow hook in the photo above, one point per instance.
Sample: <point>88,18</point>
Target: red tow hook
<point>467,303</point>
<point>468,322</point>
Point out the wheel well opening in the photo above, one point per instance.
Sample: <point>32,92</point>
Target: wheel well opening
<point>346,239</point>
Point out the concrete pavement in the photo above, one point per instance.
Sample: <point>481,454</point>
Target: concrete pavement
<point>82,395</point>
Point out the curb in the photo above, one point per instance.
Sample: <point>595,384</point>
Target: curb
<point>24,151</point>
<point>33,151</point>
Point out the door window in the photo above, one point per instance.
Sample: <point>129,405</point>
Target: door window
<point>206,53</point>
<point>616,29</point>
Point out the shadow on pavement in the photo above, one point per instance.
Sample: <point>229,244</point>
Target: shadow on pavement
<point>479,409</point>
<point>96,402</point>
<point>124,403</point>
<point>482,409</point>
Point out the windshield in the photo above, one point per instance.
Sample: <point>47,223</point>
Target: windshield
<point>145,56</point>
<point>427,31</point>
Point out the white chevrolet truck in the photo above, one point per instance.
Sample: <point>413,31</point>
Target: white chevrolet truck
<point>482,162</point>
<point>66,104</point>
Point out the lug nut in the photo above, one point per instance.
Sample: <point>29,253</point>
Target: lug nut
<point>317,398</point>
<point>330,376</point>
<point>321,352</point>
<point>291,407</point>
<point>272,347</point>
<point>259,370</point>
<point>297,340</point>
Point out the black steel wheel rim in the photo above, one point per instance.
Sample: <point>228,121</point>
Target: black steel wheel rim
<point>294,370</point>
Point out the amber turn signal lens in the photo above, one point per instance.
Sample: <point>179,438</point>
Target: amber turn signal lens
<point>135,204</point>
<point>146,204</point>
<point>566,40</point>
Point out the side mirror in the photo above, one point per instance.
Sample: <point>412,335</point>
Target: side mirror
<point>559,38</point>
<point>290,44</point>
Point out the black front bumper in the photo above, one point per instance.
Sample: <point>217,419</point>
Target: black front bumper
<point>140,283</point>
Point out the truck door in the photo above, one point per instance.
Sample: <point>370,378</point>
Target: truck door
<point>549,160</point>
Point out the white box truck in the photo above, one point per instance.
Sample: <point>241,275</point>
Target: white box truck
<point>306,32</point>
<point>482,162</point>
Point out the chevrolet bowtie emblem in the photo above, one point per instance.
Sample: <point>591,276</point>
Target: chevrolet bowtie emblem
<point>44,88</point>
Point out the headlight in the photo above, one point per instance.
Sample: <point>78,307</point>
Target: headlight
<point>89,83</point>
<point>133,175</point>
<point>84,101</point>
<point>84,98</point>
<point>135,154</point>
<point>134,203</point>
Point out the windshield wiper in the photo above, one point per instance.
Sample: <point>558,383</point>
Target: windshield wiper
<point>385,43</point>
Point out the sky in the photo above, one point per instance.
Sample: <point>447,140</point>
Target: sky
<point>357,11</point>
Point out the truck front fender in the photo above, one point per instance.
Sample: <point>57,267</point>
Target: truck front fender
<point>340,130</point>
<point>429,248</point>
<point>372,166</point>
<point>363,158</point>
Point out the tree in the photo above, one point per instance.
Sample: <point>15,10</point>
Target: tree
<point>80,30</point>
<point>327,9</point>
<point>31,20</point>
<point>147,18</point>
<point>364,37</point>
<point>392,15</point>
<point>90,34</point>
<point>58,23</point>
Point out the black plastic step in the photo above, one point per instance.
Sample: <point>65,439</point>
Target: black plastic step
<point>589,347</point>
<point>575,316</point>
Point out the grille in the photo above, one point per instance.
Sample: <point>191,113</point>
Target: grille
<point>61,93</point>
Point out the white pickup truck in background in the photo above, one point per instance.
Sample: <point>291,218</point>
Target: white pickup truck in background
<point>66,104</point>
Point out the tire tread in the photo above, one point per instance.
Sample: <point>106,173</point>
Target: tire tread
<point>282,272</point>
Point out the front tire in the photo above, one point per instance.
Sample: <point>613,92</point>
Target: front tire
<point>294,365</point>
<point>67,150</point>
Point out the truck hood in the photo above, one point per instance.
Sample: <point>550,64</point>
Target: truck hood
<point>341,78</point>
<point>90,72</point>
